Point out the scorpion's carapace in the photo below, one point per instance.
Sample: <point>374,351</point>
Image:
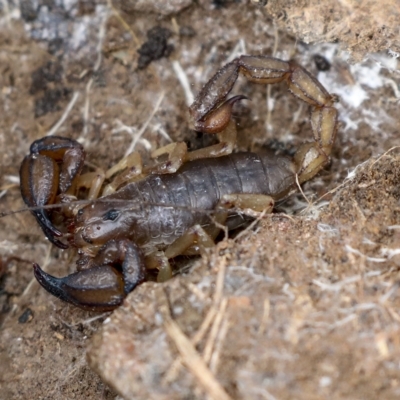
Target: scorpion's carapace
<point>147,216</point>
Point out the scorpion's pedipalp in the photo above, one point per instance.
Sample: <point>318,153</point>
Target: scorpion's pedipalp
<point>37,192</point>
<point>49,230</point>
<point>115,271</point>
<point>127,257</point>
<point>71,167</point>
<point>51,168</point>
<point>67,152</point>
<point>99,288</point>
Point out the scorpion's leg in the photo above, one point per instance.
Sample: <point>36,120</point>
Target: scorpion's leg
<point>177,155</point>
<point>126,170</point>
<point>51,168</point>
<point>130,168</point>
<point>92,181</point>
<point>114,272</point>
<point>242,201</point>
<point>210,113</point>
<point>200,238</point>
<point>158,261</point>
<point>195,236</point>
<point>197,239</point>
<point>227,141</point>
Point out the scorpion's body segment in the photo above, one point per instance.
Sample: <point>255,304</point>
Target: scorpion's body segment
<point>157,210</point>
<point>177,207</point>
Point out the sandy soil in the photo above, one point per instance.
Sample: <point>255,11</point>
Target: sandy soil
<point>303,304</point>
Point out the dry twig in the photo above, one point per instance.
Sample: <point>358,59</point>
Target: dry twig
<point>192,359</point>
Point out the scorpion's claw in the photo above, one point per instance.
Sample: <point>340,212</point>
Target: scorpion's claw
<point>37,192</point>
<point>49,229</point>
<point>101,287</point>
<point>98,288</point>
<point>42,178</point>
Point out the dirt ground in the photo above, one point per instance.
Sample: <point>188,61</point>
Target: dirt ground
<point>303,303</point>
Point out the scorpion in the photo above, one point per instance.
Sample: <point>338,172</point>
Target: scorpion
<point>146,216</point>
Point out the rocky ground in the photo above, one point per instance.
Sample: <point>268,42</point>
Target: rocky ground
<point>303,303</point>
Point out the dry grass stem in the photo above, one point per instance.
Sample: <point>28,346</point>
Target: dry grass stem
<point>193,361</point>
<point>124,23</point>
<point>210,344</point>
<point>215,356</point>
<point>207,321</point>
<point>142,130</point>
<point>67,110</point>
<point>184,81</point>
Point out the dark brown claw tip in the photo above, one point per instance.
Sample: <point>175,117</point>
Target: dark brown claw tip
<point>96,289</point>
<point>49,229</point>
<point>218,119</point>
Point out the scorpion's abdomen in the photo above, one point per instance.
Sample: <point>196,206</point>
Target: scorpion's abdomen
<point>172,203</point>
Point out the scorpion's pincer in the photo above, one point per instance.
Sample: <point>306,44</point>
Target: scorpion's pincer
<point>51,168</point>
<point>37,192</point>
<point>115,271</point>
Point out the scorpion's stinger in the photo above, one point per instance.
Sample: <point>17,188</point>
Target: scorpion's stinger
<point>117,269</point>
<point>217,119</point>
